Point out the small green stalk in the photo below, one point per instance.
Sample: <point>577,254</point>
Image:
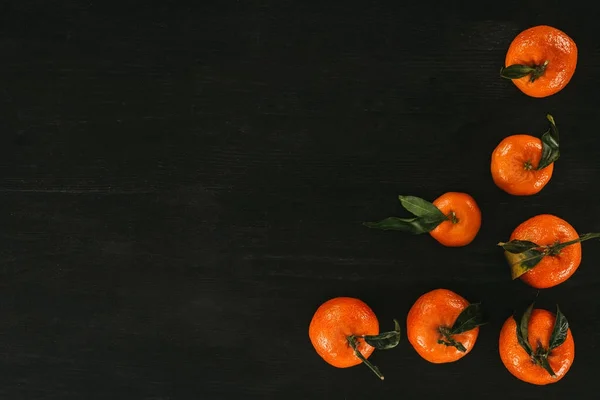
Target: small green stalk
<point>452,217</point>
<point>383,341</point>
<point>353,341</point>
<point>448,340</point>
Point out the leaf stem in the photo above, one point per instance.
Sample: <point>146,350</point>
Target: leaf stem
<point>555,249</point>
<point>352,340</point>
<point>538,71</point>
<point>541,358</point>
<point>448,340</point>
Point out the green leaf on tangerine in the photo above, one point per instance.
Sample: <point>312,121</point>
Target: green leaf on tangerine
<point>523,262</point>
<point>523,330</point>
<point>420,207</point>
<point>426,217</point>
<point>550,147</point>
<point>415,225</point>
<point>516,71</point>
<point>559,332</point>
<point>518,246</point>
<point>470,318</point>
<point>386,340</point>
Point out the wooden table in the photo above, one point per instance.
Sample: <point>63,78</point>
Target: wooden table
<point>182,185</point>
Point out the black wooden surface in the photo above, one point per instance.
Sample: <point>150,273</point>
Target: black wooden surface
<point>182,185</point>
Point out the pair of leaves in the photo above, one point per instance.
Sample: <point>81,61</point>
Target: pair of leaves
<point>557,337</point>
<point>469,318</point>
<point>426,217</point>
<point>523,255</point>
<point>517,71</point>
<point>383,341</point>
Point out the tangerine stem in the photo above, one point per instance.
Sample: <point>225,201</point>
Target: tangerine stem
<point>555,249</point>
<point>446,333</point>
<point>352,341</point>
<point>541,358</point>
<point>452,217</point>
<point>538,71</point>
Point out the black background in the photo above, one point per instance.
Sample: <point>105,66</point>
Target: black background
<point>183,184</point>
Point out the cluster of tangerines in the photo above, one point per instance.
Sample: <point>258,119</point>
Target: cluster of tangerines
<point>537,345</point>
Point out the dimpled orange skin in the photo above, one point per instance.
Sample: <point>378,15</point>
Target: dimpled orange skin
<point>514,163</point>
<point>434,309</point>
<point>543,230</point>
<point>536,45</point>
<point>518,362</point>
<point>469,219</point>
<point>333,322</point>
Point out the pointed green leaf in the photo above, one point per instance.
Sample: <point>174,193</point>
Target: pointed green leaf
<point>415,225</point>
<point>550,148</point>
<point>386,340</point>
<point>559,333</point>
<point>523,330</point>
<point>470,318</point>
<point>427,217</point>
<point>518,246</point>
<point>420,207</point>
<point>523,262</point>
<point>533,257</point>
<point>516,71</point>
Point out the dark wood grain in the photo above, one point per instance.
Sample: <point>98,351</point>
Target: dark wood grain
<point>183,184</point>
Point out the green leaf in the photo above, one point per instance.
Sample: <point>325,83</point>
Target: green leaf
<point>518,246</point>
<point>550,148</point>
<point>386,340</point>
<point>523,262</point>
<point>559,333</point>
<point>420,208</point>
<point>543,361</point>
<point>523,330</point>
<point>427,217</point>
<point>516,71</point>
<point>415,225</point>
<point>523,255</point>
<point>470,318</point>
<point>533,257</point>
